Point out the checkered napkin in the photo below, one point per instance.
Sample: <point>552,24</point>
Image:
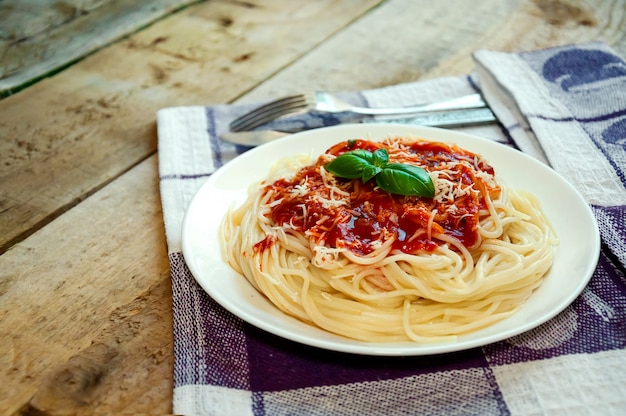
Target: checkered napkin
<point>565,106</point>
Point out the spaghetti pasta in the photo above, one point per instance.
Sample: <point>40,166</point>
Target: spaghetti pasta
<point>360,262</point>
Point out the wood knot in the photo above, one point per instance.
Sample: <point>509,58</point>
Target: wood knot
<point>73,384</point>
<point>559,13</point>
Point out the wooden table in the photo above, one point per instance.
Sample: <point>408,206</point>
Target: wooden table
<point>85,295</point>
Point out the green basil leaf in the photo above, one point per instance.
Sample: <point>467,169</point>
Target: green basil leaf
<point>369,172</point>
<point>409,180</point>
<point>395,178</point>
<point>350,164</point>
<point>380,158</point>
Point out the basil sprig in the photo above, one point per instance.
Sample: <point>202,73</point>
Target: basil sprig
<point>395,178</point>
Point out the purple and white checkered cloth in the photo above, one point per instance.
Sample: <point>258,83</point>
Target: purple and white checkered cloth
<point>565,106</point>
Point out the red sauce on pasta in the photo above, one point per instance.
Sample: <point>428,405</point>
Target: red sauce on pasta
<point>366,216</point>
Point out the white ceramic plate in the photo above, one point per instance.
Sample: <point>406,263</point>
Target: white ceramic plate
<point>575,260</point>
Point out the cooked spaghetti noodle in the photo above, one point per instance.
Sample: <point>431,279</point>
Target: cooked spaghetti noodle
<point>354,260</point>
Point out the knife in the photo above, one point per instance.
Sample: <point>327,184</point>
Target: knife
<point>449,119</point>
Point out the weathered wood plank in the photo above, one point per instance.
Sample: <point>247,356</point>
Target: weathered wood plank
<point>88,320</point>
<point>434,39</point>
<point>537,24</point>
<point>37,37</point>
<point>68,135</point>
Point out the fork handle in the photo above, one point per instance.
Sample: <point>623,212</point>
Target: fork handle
<point>460,103</point>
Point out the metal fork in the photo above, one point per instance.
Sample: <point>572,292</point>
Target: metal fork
<point>321,101</point>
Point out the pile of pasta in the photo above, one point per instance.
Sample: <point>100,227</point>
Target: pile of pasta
<point>343,255</point>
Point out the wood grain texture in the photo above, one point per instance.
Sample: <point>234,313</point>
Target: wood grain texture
<point>40,36</point>
<point>67,136</point>
<point>89,319</point>
<point>408,40</point>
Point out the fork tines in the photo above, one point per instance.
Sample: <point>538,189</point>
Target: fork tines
<point>269,112</point>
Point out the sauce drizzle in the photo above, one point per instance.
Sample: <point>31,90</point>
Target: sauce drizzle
<point>357,216</point>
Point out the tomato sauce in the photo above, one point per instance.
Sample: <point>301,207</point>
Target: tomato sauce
<point>368,216</point>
